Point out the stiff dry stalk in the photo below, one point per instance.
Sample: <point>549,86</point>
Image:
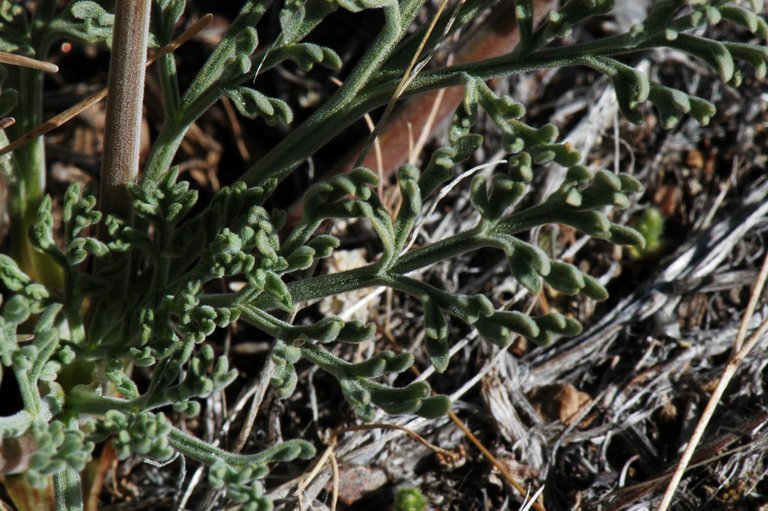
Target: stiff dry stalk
<point>120,163</point>
<point>739,352</point>
<point>125,90</point>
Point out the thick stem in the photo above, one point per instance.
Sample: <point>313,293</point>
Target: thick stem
<point>367,276</point>
<point>204,452</point>
<point>29,393</point>
<point>120,164</point>
<point>439,251</point>
<point>122,137</point>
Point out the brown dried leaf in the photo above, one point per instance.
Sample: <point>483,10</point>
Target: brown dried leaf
<point>559,401</point>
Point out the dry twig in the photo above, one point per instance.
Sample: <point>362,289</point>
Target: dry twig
<point>423,441</point>
<point>740,351</point>
<point>21,61</point>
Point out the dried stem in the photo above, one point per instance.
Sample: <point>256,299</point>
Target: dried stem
<point>120,164</point>
<point>21,61</point>
<point>406,78</point>
<point>538,506</point>
<point>335,486</point>
<point>740,351</point>
<point>423,441</point>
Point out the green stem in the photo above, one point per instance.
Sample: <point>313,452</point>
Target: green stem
<point>172,134</point>
<point>265,322</point>
<point>28,185</point>
<point>367,276</point>
<point>203,92</point>
<point>84,401</point>
<point>68,490</point>
<point>468,11</point>
<point>208,454</point>
<point>439,251</point>
<point>29,394</point>
<point>327,123</point>
<point>329,285</point>
<point>519,221</point>
<point>67,486</point>
<point>324,124</point>
<point>169,85</point>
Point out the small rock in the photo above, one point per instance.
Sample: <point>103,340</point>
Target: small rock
<point>356,481</point>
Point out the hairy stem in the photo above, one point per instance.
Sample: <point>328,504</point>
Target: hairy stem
<point>28,186</point>
<point>120,164</point>
<point>68,490</point>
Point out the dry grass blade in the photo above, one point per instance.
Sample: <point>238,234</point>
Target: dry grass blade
<point>307,480</point>
<point>533,499</point>
<point>18,60</point>
<point>54,122</point>
<point>237,130</point>
<point>496,463</point>
<point>410,73</point>
<point>740,351</point>
<point>377,150</point>
<point>67,115</point>
<point>705,455</point>
<point>423,441</point>
<point>750,310</point>
<point>426,130</point>
<point>335,470</point>
<point>7,122</point>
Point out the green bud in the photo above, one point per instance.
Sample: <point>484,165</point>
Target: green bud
<point>593,289</point>
<point>626,236</point>
<point>434,407</point>
<point>251,104</point>
<point>702,110</point>
<point>323,245</point>
<point>355,332</point>
<point>520,167</point>
<point>502,327</point>
<point>16,310</point>
<point>275,287</point>
<point>565,278</point>
<point>559,324</point>
<point>712,52</point>
<point>436,336</point>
